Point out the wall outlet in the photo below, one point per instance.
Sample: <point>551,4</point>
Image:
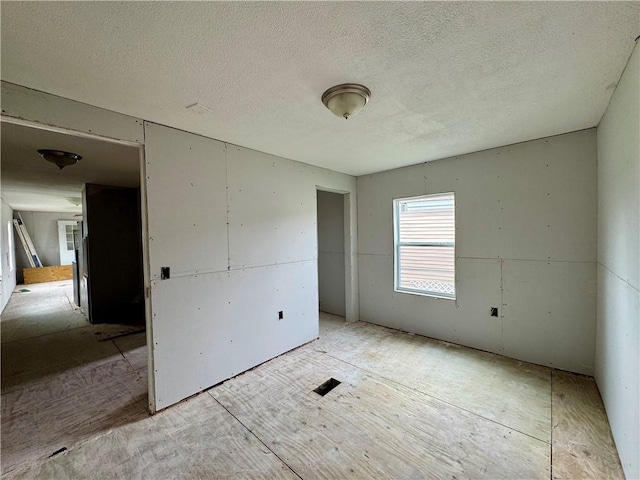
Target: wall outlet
<point>165,273</point>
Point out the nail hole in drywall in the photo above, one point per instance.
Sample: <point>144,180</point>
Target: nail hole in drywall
<point>327,386</point>
<point>280,315</point>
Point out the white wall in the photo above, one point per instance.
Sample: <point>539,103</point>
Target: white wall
<point>43,229</point>
<point>618,330</point>
<point>8,275</point>
<point>331,260</point>
<point>238,230</point>
<point>525,242</point>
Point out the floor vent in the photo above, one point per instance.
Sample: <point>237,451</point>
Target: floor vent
<point>327,386</point>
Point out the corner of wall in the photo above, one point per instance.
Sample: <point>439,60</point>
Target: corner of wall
<point>617,371</point>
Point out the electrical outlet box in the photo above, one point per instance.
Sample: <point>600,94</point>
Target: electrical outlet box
<point>280,315</point>
<point>494,311</point>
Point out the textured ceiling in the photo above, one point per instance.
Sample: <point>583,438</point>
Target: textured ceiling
<point>447,77</point>
<point>29,183</point>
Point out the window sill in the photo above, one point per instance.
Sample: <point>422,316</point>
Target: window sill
<point>425,294</point>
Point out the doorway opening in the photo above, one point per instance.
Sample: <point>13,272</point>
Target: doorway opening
<point>74,353</point>
<point>332,264</point>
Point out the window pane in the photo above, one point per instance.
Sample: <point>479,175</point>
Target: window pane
<point>427,219</point>
<point>427,269</point>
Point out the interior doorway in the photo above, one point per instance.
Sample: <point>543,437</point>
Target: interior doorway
<point>78,377</point>
<point>331,252</point>
<point>68,241</point>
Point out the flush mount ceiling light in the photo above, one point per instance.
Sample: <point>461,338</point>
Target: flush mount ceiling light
<point>59,158</point>
<point>347,99</point>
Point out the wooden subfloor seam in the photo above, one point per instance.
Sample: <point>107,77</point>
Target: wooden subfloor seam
<point>256,437</point>
<point>22,339</point>
<point>432,396</point>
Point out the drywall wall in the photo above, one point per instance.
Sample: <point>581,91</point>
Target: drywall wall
<point>22,103</point>
<point>267,229</point>
<point>8,274</point>
<point>618,319</point>
<point>331,252</point>
<point>43,229</point>
<point>237,228</point>
<point>525,243</point>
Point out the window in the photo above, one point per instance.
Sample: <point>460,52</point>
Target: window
<point>71,233</point>
<point>424,244</point>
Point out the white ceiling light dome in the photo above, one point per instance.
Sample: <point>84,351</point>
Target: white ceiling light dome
<point>347,99</point>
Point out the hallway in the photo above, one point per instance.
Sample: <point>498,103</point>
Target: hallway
<point>63,379</point>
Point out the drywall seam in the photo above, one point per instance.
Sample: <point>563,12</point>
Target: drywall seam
<point>624,280</point>
<point>226,181</point>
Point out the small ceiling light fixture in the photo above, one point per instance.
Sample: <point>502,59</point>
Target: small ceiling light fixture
<point>347,99</point>
<point>59,158</point>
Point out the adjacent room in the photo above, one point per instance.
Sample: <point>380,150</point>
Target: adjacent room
<point>320,240</point>
<point>74,327</point>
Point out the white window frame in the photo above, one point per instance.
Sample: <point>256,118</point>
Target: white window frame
<point>397,244</point>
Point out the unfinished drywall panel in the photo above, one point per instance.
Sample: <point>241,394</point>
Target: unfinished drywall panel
<point>475,184</point>
<point>187,202</point>
<point>617,360</point>
<point>618,179</point>
<point>533,201</point>
<point>331,258</point>
<point>231,328</point>
<point>271,209</point>
<point>478,291</point>
<point>213,319</point>
<point>522,199</point>
<point>549,313</point>
<point>466,321</point>
<point>548,196</point>
<point>618,329</point>
<point>375,206</point>
<point>40,107</point>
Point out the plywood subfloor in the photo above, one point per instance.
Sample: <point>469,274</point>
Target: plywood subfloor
<point>407,407</point>
<point>40,309</point>
<point>371,427</point>
<point>513,393</point>
<point>60,384</point>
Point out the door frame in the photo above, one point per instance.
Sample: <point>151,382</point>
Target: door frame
<point>351,304</point>
<point>6,118</point>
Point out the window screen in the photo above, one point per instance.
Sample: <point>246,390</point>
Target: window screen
<point>425,245</point>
